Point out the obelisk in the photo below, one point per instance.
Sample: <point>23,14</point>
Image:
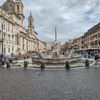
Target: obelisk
<point>55,35</point>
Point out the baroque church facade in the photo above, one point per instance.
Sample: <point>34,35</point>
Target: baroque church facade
<point>14,37</point>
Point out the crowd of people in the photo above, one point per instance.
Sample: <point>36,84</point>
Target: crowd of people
<point>89,54</point>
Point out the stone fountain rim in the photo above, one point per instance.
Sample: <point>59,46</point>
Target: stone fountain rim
<point>54,58</point>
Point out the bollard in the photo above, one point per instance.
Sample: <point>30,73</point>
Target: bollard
<point>8,64</point>
<point>3,62</point>
<point>25,64</point>
<point>42,66</point>
<point>87,63</point>
<point>67,65</point>
<point>0,64</point>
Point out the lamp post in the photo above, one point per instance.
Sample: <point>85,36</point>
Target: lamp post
<point>2,37</point>
<point>2,40</point>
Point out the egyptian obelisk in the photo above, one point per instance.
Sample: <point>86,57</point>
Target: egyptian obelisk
<point>55,35</point>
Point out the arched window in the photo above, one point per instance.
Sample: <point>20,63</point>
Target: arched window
<point>30,22</point>
<point>17,7</point>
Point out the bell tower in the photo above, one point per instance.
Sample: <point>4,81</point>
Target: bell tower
<point>19,7</point>
<point>30,24</point>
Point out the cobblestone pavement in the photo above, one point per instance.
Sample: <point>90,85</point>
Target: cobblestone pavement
<point>76,84</point>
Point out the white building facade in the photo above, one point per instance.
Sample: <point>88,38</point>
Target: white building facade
<point>14,38</point>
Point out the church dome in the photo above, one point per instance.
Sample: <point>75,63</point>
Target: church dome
<point>9,6</point>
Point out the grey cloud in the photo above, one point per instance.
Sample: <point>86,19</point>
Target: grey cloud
<point>71,17</point>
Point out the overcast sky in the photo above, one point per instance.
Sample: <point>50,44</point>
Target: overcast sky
<point>71,17</point>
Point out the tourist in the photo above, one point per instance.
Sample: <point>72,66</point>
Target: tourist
<point>2,59</point>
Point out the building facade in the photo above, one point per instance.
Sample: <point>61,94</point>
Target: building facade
<point>41,45</point>
<point>90,39</point>
<point>14,37</point>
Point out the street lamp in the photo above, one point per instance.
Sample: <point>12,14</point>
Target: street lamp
<point>2,37</point>
<point>2,40</point>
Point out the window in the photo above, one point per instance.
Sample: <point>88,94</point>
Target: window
<point>4,26</point>
<point>12,29</point>
<point>12,48</point>
<point>98,34</point>
<point>10,5</point>
<point>0,34</point>
<point>30,22</point>
<point>23,44</point>
<point>27,45</point>
<point>9,48</point>
<point>8,27</point>
<point>4,36</point>
<point>8,37</point>
<point>12,37</point>
<point>17,7</point>
<point>4,49</point>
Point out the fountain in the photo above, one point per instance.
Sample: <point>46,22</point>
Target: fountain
<point>55,54</point>
<point>55,57</point>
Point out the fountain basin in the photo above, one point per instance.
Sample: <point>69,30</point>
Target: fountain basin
<point>54,60</point>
